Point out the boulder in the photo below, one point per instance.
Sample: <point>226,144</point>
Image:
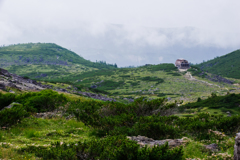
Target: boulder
<point>142,141</point>
<point>94,86</point>
<point>212,147</point>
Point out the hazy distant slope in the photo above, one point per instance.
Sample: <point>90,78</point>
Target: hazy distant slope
<point>42,53</point>
<point>38,60</point>
<point>226,66</point>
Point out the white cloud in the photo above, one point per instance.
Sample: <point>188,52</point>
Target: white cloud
<point>125,32</point>
<point>160,58</point>
<point>135,58</point>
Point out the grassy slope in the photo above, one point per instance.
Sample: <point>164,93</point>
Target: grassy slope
<point>33,59</point>
<point>162,80</point>
<point>154,81</point>
<point>226,66</point>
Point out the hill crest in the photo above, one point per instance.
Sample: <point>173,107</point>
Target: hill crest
<point>227,65</point>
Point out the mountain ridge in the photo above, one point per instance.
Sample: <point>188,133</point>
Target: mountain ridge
<point>227,65</point>
<point>37,60</point>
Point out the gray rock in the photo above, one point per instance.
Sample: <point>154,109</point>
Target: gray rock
<point>169,98</point>
<point>94,86</point>
<point>11,91</point>
<point>212,147</point>
<point>142,141</point>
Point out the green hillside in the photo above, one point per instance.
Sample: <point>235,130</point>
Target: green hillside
<point>163,80</point>
<point>38,60</point>
<point>226,66</point>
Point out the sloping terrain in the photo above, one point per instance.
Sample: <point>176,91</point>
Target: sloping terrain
<point>226,66</point>
<point>9,80</point>
<point>14,83</point>
<point>48,125</point>
<point>39,60</point>
<point>154,81</point>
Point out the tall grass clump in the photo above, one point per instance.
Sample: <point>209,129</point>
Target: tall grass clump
<point>30,133</point>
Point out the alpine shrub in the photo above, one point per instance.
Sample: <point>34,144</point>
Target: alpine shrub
<point>6,99</point>
<point>11,116</point>
<point>108,116</point>
<point>45,100</point>
<point>111,148</point>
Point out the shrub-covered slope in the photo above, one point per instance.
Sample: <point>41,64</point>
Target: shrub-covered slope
<point>38,60</point>
<point>162,80</point>
<point>226,66</point>
<point>99,129</point>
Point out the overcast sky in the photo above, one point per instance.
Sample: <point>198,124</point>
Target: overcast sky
<point>126,32</point>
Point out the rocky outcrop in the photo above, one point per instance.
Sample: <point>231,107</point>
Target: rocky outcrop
<point>237,147</point>
<point>15,81</point>
<point>217,78</point>
<point>48,115</point>
<point>142,141</point>
<point>212,147</point>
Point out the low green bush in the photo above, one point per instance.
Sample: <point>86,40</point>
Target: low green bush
<point>147,118</point>
<point>107,116</point>
<point>227,101</point>
<point>45,100</point>
<point>11,116</point>
<point>6,99</point>
<point>111,148</point>
<point>157,127</point>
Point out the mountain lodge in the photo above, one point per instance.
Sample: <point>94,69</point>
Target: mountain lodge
<point>182,64</point>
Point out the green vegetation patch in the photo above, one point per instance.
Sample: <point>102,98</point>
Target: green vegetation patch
<point>112,148</point>
<point>229,101</point>
<point>226,66</point>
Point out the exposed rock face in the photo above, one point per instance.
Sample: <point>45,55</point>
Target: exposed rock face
<point>237,147</point>
<point>142,141</point>
<point>12,80</point>
<point>217,78</point>
<point>48,115</point>
<point>212,147</point>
